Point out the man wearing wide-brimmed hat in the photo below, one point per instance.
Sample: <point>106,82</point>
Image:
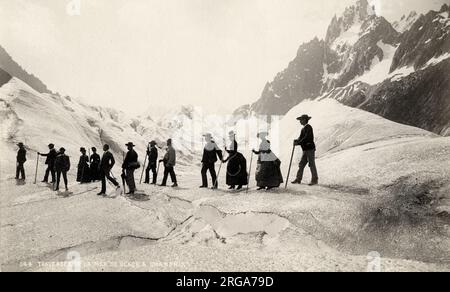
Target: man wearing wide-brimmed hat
<point>50,162</point>
<point>210,154</point>
<point>21,158</point>
<point>152,153</point>
<point>130,164</point>
<point>306,141</point>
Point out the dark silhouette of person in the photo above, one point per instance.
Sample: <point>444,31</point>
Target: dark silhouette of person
<point>169,165</point>
<point>152,153</point>
<point>237,165</point>
<point>50,162</point>
<point>62,166</point>
<point>306,141</point>
<point>20,160</point>
<point>268,173</point>
<point>130,164</point>
<point>83,167</point>
<point>209,159</point>
<point>106,164</point>
<point>95,163</point>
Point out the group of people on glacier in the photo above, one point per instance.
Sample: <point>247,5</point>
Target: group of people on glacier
<point>94,167</point>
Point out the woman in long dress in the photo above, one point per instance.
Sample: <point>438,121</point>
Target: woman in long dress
<point>268,172</point>
<point>83,173</point>
<point>237,165</point>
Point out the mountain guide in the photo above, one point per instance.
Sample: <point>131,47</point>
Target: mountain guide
<point>210,153</point>
<point>152,153</point>
<point>95,164</point>
<point>106,164</point>
<point>20,160</point>
<point>62,166</point>
<point>83,167</point>
<point>169,162</point>
<point>130,164</point>
<point>306,141</point>
<point>50,162</point>
<point>268,172</point>
<point>237,165</point>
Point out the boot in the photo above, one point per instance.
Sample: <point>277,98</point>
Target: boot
<point>296,182</point>
<point>314,182</point>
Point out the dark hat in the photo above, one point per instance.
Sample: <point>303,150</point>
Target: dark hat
<point>51,145</point>
<point>304,117</point>
<point>82,149</point>
<point>20,144</point>
<point>62,149</point>
<point>153,143</point>
<point>130,144</point>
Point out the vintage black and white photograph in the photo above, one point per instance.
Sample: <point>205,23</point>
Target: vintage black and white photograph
<point>225,136</point>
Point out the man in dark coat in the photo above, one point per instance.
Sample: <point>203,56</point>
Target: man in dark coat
<point>210,153</point>
<point>83,167</point>
<point>95,163</point>
<point>21,158</point>
<point>306,141</point>
<point>62,166</point>
<point>130,164</point>
<point>152,153</point>
<point>169,161</point>
<point>106,164</point>
<point>50,162</point>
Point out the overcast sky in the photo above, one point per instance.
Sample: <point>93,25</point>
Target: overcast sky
<point>131,54</point>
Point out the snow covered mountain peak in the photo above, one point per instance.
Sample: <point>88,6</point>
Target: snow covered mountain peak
<point>366,62</point>
<point>348,25</point>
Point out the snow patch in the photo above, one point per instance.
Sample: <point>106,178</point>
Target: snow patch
<point>379,70</point>
<point>436,60</point>
<point>401,72</point>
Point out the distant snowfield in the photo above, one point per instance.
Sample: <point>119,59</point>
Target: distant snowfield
<point>384,188</point>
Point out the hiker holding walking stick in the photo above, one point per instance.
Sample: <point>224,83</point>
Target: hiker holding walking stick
<point>152,153</point>
<point>209,159</point>
<point>306,141</point>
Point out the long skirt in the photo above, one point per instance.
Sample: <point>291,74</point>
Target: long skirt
<point>83,174</point>
<point>268,174</point>
<point>95,172</point>
<point>237,171</point>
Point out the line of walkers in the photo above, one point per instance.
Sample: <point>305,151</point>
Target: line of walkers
<point>92,168</point>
